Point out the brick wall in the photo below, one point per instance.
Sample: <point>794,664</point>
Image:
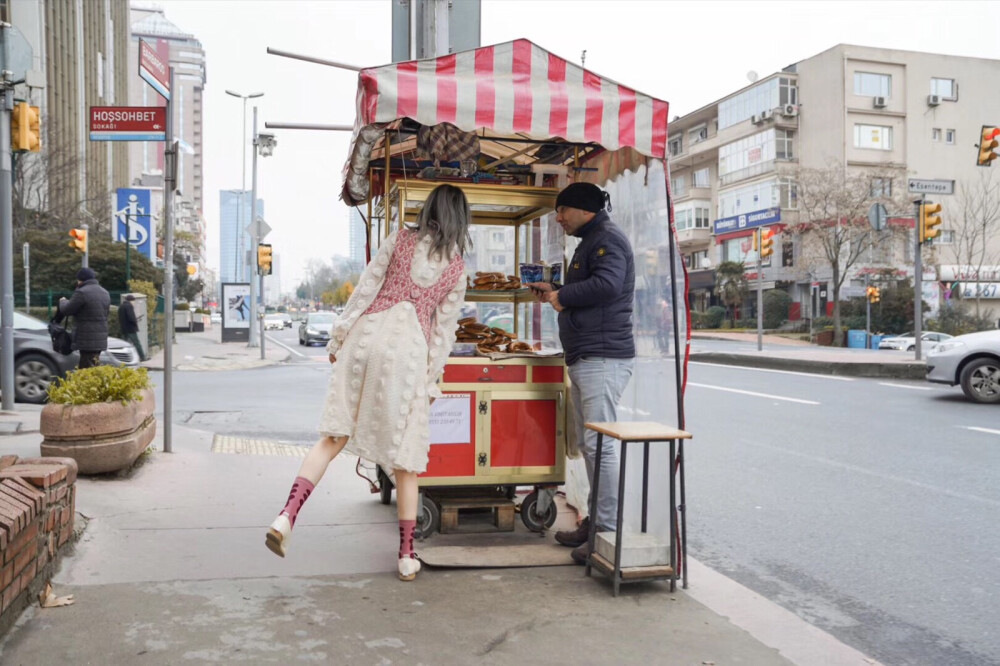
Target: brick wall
<point>37,507</point>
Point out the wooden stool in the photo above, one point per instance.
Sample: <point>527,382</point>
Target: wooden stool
<point>627,433</point>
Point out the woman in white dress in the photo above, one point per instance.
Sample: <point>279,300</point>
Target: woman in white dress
<point>388,349</point>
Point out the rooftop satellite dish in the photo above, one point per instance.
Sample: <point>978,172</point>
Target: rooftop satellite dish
<point>752,76</point>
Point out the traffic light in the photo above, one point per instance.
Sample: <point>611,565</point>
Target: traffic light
<point>928,220</point>
<point>766,243</point>
<point>874,295</point>
<point>987,142</point>
<point>25,128</point>
<point>79,242</point>
<point>264,259</point>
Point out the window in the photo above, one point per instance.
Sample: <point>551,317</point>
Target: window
<point>748,198</point>
<point>761,97</point>
<point>497,236</point>
<point>678,185</point>
<point>787,254</point>
<point>868,84</point>
<point>750,156</point>
<point>787,194</point>
<point>936,134</point>
<point>692,216</point>
<point>947,237</point>
<point>701,178</point>
<point>676,146</point>
<point>697,260</point>
<point>874,137</point>
<point>949,136</point>
<point>698,134</point>
<point>944,88</point>
<point>881,188</point>
<point>498,260</point>
<point>783,144</point>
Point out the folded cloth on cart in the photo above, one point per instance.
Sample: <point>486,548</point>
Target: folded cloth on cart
<point>500,355</point>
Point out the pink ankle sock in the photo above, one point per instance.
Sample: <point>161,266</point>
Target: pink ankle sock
<point>406,528</point>
<point>300,492</point>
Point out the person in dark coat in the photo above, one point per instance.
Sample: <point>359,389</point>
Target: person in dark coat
<point>89,308</point>
<point>595,328</point>
<point>129,325</point>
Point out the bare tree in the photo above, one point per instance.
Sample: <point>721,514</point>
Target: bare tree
<point>833,227</point>
<point>975,244</point>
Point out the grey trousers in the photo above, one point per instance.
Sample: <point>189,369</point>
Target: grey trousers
<point>598,384</point>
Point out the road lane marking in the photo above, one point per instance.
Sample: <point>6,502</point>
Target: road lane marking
<point>988,431</point>
<point>755,394</point>
<point>848,467</point>
<point>284,346</point>
<point>783,372</point>
<point>906,386</point>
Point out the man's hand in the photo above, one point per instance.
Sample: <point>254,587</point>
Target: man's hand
<point>553,299</point>
<point>546,293</point>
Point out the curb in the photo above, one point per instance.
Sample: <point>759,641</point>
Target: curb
<point>909,370</point>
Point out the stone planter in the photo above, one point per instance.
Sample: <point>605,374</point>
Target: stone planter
<point>102,437</point>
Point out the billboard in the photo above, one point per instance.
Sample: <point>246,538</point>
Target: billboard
<point>133,219</point>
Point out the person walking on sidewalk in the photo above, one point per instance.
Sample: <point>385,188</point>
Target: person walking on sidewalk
<point>388,348</point>
<point>89,308</point>
<point>129,324</point>
<point>595,328</point>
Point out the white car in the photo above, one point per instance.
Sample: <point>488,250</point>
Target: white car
<point>908,341</point>
<point>274,322</point>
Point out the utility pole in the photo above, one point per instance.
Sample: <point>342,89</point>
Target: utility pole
<point>26,253</point>
<point>6,235</point>
<point>918,276</point>
<point>757,238</point>
<point>170,184</point>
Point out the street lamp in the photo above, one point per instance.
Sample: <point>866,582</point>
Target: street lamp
<point>243,172</point>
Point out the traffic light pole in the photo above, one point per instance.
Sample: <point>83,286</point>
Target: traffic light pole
<point>255,240</point>
<point>262,318</point>
<point>86,246</point>
<point>918,275</point>
<point>170,184</point>
<point>760,290</point>
<point>6,245</point>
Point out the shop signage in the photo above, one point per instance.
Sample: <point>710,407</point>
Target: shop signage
<point>128,123</point>
<point>953,272</point>
<point>758,218</point>
<point>979,290</point>
<point>153,70</point>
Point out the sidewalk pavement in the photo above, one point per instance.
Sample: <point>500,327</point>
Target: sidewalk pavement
<point>786,354</point>
<point>206,351</point>
<point>170,565</point>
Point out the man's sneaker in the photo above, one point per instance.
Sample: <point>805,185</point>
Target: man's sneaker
<point>577,537</point>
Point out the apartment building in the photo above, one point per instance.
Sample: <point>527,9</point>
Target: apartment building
<point>906,114</point>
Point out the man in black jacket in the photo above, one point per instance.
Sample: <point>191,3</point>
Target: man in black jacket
<point>595,328</point>
<point>129,324</point>
<point>89,308</point>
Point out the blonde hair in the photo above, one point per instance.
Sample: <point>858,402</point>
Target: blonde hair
<point>445,219</point>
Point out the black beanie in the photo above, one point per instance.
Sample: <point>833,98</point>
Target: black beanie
<point>85,274</point>
<point>584,196</point>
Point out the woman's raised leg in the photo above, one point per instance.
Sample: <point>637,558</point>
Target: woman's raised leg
<point>407,493</point>
<point>311,471</point>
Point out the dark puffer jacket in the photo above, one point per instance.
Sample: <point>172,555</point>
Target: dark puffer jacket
<point>598,293</point>
<point>89,308</point>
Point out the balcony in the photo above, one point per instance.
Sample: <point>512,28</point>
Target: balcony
<point>690,238</point>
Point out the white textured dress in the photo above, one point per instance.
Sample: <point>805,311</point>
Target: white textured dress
<point>392,342</point>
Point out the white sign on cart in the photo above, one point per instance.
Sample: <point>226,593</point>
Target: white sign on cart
<point>451,419</point>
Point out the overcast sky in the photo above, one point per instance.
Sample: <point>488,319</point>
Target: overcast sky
<point>688,53</point>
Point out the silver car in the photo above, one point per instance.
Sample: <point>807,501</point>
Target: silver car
<point>972,360</point>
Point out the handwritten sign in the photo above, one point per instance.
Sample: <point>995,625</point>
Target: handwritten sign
<point>451,419</point>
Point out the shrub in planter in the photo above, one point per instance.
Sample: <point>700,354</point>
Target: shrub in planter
<point>714,316</point>
<point>776,304</point>
<point>101,417</point>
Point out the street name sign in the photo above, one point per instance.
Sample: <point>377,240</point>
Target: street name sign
<point>153,70</point>
<point>930,186</point>
<point>128,123</point>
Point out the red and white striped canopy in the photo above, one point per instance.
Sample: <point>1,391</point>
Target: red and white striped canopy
<point>514,88</point>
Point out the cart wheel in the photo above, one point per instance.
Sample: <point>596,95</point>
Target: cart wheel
<point>428,519</point>
<point>530,517</point>
<point>384,487</point>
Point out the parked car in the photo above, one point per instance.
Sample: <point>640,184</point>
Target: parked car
<point>36,364</point>
<point>274,322</point>
<point>908,341</point>
<point>316,328</point>
<point>971,360</point>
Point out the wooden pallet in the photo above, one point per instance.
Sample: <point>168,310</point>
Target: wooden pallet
<point>499,509</point>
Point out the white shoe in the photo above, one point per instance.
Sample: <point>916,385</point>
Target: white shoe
<point>408,568</point>
<point>279,535</point>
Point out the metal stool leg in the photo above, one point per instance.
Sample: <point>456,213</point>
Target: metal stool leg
<point>618,526</point>
<point>645,484</point>
<point>593,498</point>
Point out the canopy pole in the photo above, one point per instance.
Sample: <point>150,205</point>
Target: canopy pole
<point>318,61</point>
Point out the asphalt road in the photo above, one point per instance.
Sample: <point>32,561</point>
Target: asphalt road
<point>868,507</point>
